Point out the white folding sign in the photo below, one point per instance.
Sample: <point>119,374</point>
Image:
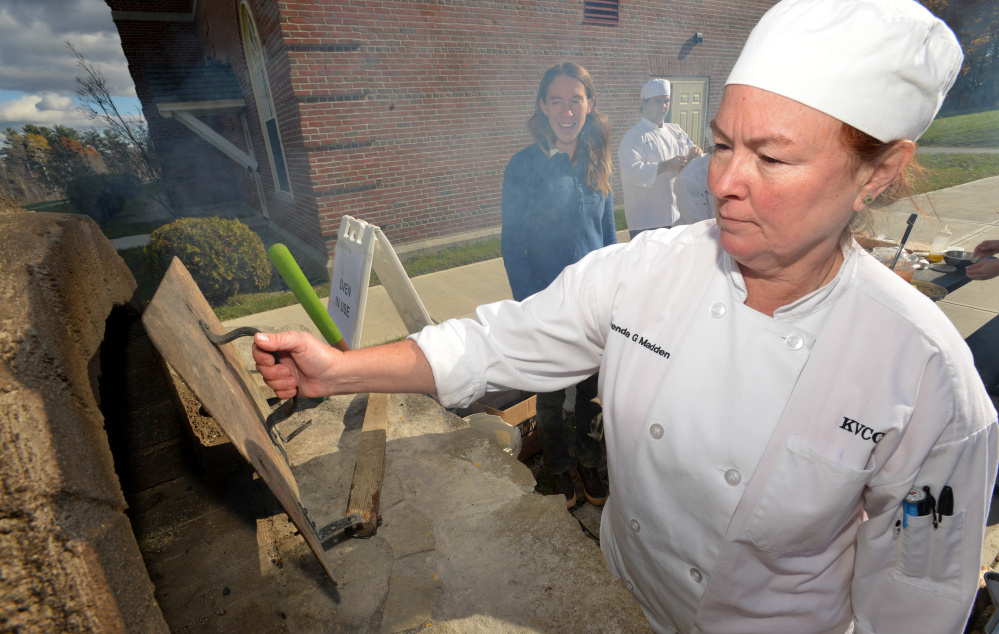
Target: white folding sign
<point>359,248</point>
<point>355,245</point>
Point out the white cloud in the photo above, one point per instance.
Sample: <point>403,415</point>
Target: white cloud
<point>38,72</point>
<point>44,110</point>
<point>52,101</point>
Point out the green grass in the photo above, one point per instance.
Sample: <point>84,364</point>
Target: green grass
<point>125,223</point>
<point>948,170</point>
<point>52,206</point>
<point>620,223</point>
<point>251,303</point>
<point>452,257</point>
<point>964,129</point>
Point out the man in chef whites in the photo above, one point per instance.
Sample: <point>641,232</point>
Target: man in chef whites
<point>651,155</point>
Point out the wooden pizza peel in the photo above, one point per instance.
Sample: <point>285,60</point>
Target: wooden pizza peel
<point>220,381</point>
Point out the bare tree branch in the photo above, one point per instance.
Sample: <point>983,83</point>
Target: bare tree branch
<point>96,103</point>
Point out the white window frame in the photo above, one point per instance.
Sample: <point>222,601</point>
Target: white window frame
<point>256,64</point>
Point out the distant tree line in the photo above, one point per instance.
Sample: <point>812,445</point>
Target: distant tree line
<point>37,162</point>
<point>95,168</point>
<point>976,24</point>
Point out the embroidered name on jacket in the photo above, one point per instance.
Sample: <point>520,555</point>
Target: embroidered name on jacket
<point>861,430</point>
<point>640,340</point>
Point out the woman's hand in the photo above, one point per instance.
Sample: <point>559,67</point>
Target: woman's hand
<point>308,366</point>
<point>987,248</point>
<point>675,164</point>
<point>983,269</point>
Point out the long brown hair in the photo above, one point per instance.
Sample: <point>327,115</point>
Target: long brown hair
<point>593,143</point>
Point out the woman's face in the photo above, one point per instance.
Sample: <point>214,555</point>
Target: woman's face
<point>566,107</point>
<point>782,180</point>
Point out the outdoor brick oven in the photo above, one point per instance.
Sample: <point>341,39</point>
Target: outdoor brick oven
<point>69,560</point>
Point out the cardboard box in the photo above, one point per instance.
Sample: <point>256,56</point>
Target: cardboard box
<point>516,408</point>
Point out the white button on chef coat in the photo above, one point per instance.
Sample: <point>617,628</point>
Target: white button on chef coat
<point>695,574</point>
<point>635,526</point>
<point>794,342</point>
<point>718,310</point>
<point>656,431</point>
<point>733,477</point>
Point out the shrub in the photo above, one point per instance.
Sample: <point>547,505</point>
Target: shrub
<point>223,255</point>
<point>102,196</point>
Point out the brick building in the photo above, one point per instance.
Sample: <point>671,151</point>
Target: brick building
<point>402,113</point>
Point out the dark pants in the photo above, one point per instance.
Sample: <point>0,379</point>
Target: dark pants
<point>550,427</point>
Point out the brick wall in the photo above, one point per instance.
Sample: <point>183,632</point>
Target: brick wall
<point>195,174</point>
<point>405,113</point>
<point>410,110</point>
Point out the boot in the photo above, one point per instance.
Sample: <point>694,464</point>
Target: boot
<point>562,485</point>
<point>593,487</point>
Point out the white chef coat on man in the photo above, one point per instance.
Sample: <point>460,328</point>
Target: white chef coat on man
<point>651,155</point>
<point>782,500</point>
<point>693,200</point>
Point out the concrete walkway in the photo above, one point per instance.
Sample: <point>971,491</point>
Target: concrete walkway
<point>972,213</point>
<point>130,242</point>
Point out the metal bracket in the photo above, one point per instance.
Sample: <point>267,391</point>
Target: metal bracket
<point>337,526</point>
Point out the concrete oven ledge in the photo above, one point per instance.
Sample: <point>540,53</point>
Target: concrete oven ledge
<point>68,558</point>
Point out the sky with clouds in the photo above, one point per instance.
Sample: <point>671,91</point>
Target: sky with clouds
<point>37,70</point>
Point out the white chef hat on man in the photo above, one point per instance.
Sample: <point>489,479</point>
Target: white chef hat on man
<point>655,88</point>
<point>881,66</point>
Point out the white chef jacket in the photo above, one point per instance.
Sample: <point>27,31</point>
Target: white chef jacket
<point>693,200</point>
<point>648,196</point>
<point>757,464</point>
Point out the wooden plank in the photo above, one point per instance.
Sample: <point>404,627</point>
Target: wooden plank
<point>220,381</point>
<point>366,487</point>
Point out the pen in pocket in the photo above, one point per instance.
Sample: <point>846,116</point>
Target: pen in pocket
<point>945,506</point>
<point>930,506</point>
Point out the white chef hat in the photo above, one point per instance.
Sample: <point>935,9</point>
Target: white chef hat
<point>654,88</point>
<point>881,66</point>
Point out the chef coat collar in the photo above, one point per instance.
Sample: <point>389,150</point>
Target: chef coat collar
<point>647,126</point>
<point>814,301</point>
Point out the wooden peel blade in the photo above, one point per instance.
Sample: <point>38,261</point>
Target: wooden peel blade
<point>221,382</point>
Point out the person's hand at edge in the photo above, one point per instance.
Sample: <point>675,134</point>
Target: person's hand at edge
<point>675,164</point>
<point>311,368</point>
<point>983,270</point>
<point>987,248</point>
<point>307,364</point>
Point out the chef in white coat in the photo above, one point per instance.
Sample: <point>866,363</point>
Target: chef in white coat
<point>771,393</point>
<point>694,201</point>
<point>651,155</point>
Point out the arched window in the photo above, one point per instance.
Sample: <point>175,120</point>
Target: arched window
<point>262,94</point>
